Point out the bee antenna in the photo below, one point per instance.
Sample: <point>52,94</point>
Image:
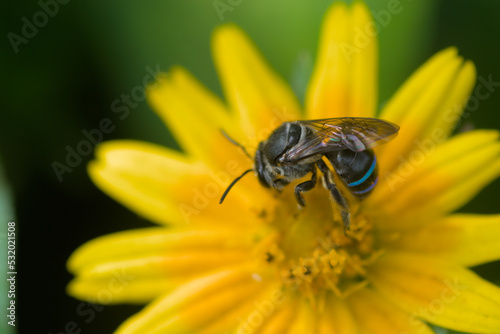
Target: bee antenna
<point>234,142</point>
<point>232,184</point>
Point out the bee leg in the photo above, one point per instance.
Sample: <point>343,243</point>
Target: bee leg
<point>329,184</point>
<point>305,186</point>
<point>279,184</point>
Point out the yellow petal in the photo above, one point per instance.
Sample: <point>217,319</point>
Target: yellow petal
<point>468,240</point>
<point>167,187</point>
<point>271,312</point>
<point>337,318</point>
<point>157,240</point>
<point>193,114</point>
<point>138,175</point>
<point>397,108</point>
<point>260,98</point>
<point>305,320</point>
<point>344,82</point>
<point>295,315</point>
<point>439,181</point>
<point>375,315</point>
<point>427,106</point>
<point>439,292</point>
<point>198,304</point>
<point>120,287</point>
<point>280,321</point>
<point>430,156</point>
<point>136,266</point>
<point>452,185</point>
<point>249,314</point>
<point>454,102</point>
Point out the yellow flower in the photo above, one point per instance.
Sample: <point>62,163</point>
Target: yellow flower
<point>258,264</point>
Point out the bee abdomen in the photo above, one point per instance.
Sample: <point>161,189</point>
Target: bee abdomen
<point>364,186</point>
<point>357,170</point>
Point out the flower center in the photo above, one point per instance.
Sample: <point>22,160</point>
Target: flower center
<point>311,252</point>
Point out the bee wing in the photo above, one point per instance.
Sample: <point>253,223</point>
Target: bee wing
<point>335,134</point>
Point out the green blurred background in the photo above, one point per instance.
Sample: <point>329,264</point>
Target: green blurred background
<point>64,79</point>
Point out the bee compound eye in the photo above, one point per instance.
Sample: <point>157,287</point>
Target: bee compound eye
<point>294,133</point>
<point>276,145</point>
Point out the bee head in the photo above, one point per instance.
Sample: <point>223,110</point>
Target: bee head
<point>282,139</point>
<point>286,136</point>
<point>260,167</point>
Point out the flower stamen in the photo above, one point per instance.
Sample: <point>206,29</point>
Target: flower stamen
<point>335,261</point>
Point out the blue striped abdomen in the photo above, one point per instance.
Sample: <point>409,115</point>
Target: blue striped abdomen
<point>357,170</point>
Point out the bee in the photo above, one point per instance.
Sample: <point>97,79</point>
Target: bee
<point>295,149</point>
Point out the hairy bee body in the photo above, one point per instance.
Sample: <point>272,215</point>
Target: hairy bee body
<point>270,171</point>
<point>296,149</point>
